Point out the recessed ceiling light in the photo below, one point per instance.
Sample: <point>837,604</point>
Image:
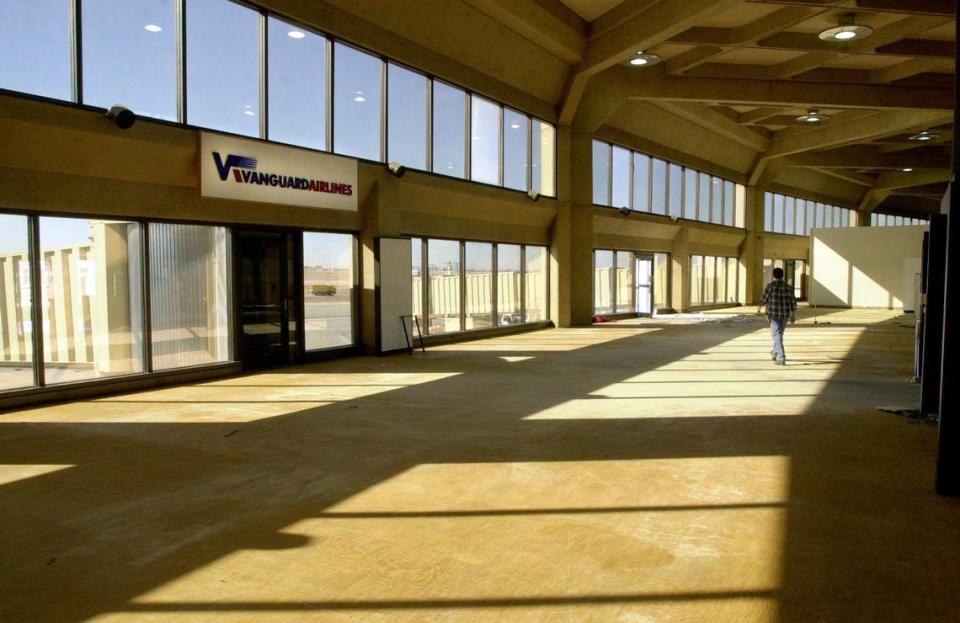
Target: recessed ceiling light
<point>907,170</point>
<point>643,59</point>
<point>359,99</point>
<point>152,28</point>
<point>813,116</point>
<point>296,34</point>
<point>925,135</point>
<point>514,126</point>
<point>848,30</point>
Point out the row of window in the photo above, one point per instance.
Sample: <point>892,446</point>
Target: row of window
<point>105,308</point>
<point>889,220</point>
<point>477,285</point>
<point>625,282</point>
<point>714,280</point>
<point>238,69</point>
<point>795,273</point>
<point>628,179</point>
<point>784,214</point>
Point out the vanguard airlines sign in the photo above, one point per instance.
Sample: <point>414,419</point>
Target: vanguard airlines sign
<point>236,168</point>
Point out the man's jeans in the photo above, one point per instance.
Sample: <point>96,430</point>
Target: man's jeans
<point>777,327</point>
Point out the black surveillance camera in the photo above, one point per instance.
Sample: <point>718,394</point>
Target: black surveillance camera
<point>121,116</point>
<point>624,210</point>
<point>397,169</point>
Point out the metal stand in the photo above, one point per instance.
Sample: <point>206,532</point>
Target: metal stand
<point>414,322</point>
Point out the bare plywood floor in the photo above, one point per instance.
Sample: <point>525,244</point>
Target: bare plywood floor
<point>637,472</point>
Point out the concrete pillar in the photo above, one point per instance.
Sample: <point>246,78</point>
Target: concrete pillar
<point>864,219</point>
<point>572,245</point>
<point>680,271</point>
<point>751,252</point>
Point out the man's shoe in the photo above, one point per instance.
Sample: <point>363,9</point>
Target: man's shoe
<point>773,355</point>
<point>780,362</point>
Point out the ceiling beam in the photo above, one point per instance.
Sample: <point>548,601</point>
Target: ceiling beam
<point>759,114</point>
<point>848,176</point>
<point>654,84</point>
<point>895,181</point>
<point>692,58</point>
<point>810,42</point>
<point>871,200</point>
<point>908,68</point>
<point>539,25</point>
<point>654,25</point>
<point>827,160</point>
<point>718,123</point>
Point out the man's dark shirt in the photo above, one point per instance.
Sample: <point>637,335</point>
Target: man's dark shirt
<point>779,299</point>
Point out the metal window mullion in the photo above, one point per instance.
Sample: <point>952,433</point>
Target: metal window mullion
<point>36,306</point>
<point>523,284</point>
<point>609,173</point>
<point>463,286</point>
<point>328,99</point>
<point>76,19</point>
<point>264,78</point>
<point>530,154</point>
<point>146,322</point>
<point>495,291</point>
<point>383,110</point>
<point>181,61</point>
<point>630,182</point>
<point>468,135</point>
<point>503,118</point>
<point>429,155</point>
<point>424,287</point>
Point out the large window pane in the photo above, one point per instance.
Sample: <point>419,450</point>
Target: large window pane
<point>740,206</point>
<point>297,74</point>
<point>514,150</point>
<point>36,46</point>
<point>91,299</point>
<point>733,285</point>
<point>416,266</point>
<point>327,290</point>
<point>444,273</point>
<point>601,173</point>
<point>16,328</point>
<point>801,216</point>
<point>484,141</point>
<point>705,188</point>
<point>508,284</point>
<point>661,284</point>
<point>809,218</point>
<point>544,150</point>
<point>767,211</point>
<point>223,66</point>
<point>696,280</point>
<point>721,280</point>
<point>408,96</point>
<point>625,279</point>
<point>449,130</point>
<point>479,285</point>
<point>729,197</point>
<point>641,182</point>
<point>716,200</point>
<point>535,284</point>
<point>789,215</point>
<point>659,187</point>
<point>120,39</point>
<point>621,178</point>
<point>676,190</point>
<point>778,214</point>
<point>603,282</point>
<point>690,194</point>
<point>356,103</point>
<point>709,280</point>
<point>821,220</point>
<point>189,295</point>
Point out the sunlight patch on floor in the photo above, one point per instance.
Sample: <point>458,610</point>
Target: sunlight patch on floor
<point>14,473</point>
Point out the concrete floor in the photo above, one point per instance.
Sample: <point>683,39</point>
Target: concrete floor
<point>633,472</point>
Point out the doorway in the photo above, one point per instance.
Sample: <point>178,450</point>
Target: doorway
<point>644,285</point>
<point>267,275</point>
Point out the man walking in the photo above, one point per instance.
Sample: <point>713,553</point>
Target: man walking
<point>781,306</point>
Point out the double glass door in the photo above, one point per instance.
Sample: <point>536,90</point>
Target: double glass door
<point>644,285</point>
<point>267,277</point>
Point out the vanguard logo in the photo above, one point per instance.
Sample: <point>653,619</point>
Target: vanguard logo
<point>245,171</point>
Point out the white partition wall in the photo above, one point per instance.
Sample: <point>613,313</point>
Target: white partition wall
<point>395,292</point>
<point>872,267</point>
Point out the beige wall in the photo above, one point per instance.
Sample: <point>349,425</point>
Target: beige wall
<point>865,266</point>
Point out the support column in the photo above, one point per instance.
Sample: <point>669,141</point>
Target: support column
<point>751,253</point>
<point>572,247</point>
<point>680,271</point>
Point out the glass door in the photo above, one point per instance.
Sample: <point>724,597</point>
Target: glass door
<point>267,277</point>
<point>644,285</point>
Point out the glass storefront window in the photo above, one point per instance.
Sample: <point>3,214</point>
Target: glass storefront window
<point>119,40</point>
<point>190,298</point>
<point>416,269</point>
<point>641,183</point>
<point>659,187</point>
<point>690,194</point>
<point>709,280</point>
<point>729,199</point>
<point>90,299</point>
<point>36,43</point>
<point>661,280</point>
<point>298,106</point>
<point>509,284</point>
<point>696,280</point>
<point>449,130</point>
<point>407,99</point>
<point>601,173</point>
<point>328,284</point>
<point>603,282</point>
<point>484,141</point>
<point>16,303</point>
<point>620,178</point>
<point>705,187</point>
<point>676,190</point>
<point>479,285</point>
<point>443,257</point>
<point>515,141</point>
<point>535,284</point>
<point>625,282</point>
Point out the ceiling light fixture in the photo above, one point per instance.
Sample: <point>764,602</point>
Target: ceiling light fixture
<point>813,116</point>
<point>644,59</point>
<point>906,170</point>
<point>296,34</point>
<point>923,136</point>
<point>848,30</point>
<point>152,28</point>
<point>359,98</point>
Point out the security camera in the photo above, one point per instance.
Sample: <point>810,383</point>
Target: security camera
<point>121,116</point>
<point>397,169</point>
<point>624,210</point>
<point>534,195</point>
<point>674,218</point>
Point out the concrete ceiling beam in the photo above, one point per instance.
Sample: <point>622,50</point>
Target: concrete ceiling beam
<point>928,7</point>
<point>718,123</point>
<point>870,161</point>
<point>895,181</point>
<point>539,25</point>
